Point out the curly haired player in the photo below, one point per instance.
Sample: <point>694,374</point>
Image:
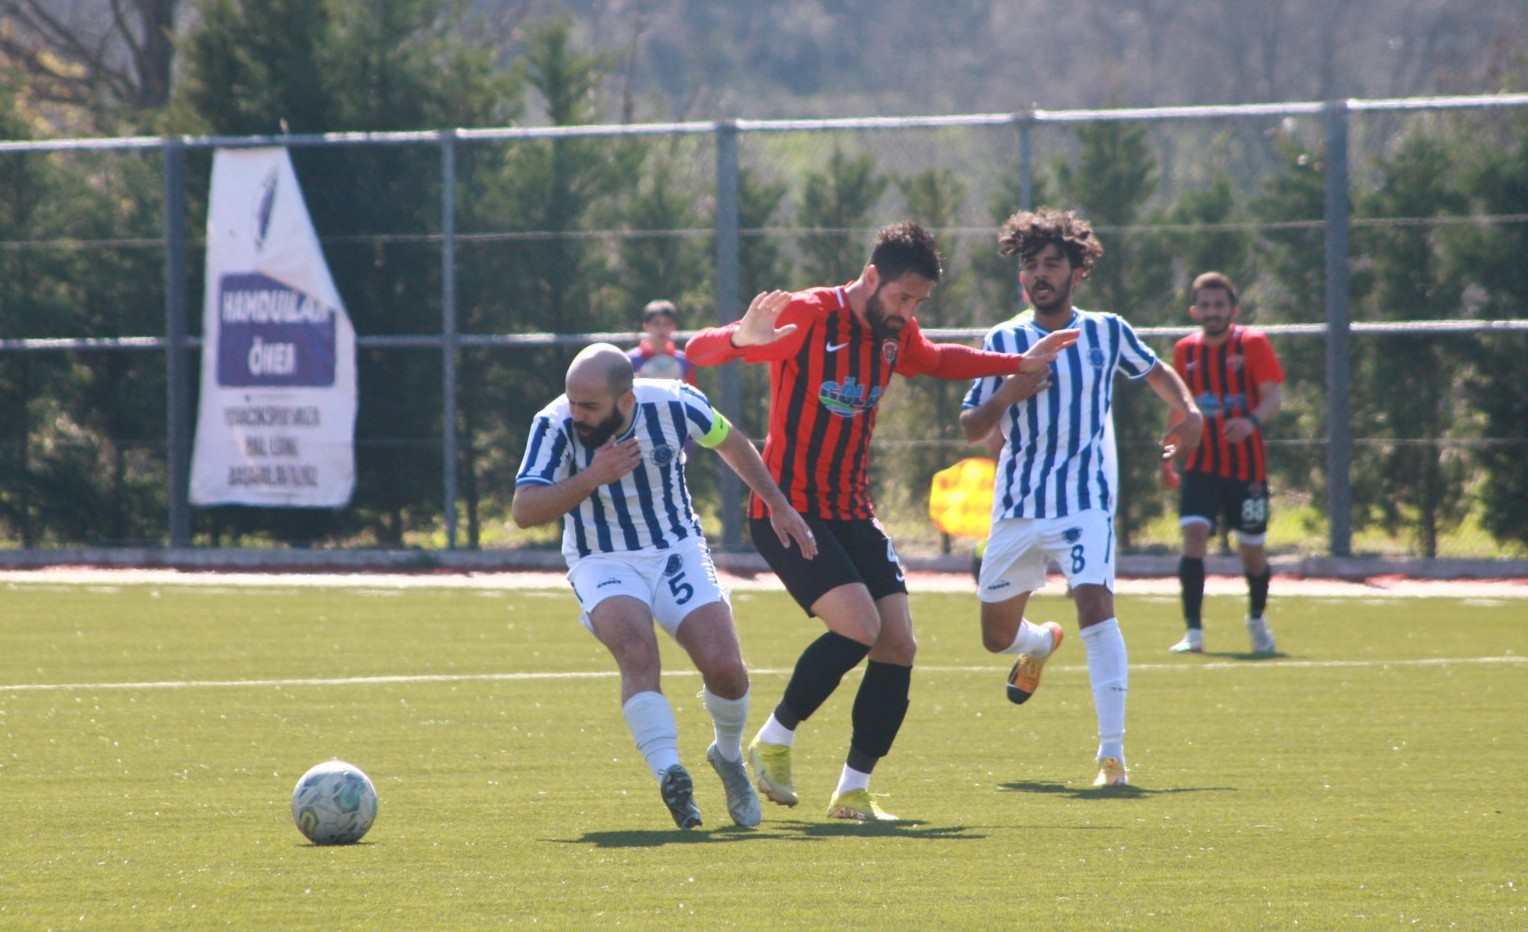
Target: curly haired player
<point>1054,497</point>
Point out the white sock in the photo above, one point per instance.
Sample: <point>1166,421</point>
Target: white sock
<point>1109,672</point>
<point>652,724</point>
<point>728,717</point>
<point>851,779</point>
<point>775,733</point>
<point>1031,639</point>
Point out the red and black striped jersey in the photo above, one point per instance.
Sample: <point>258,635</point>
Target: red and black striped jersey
<point>1226,380</point>
<point>825,380</point>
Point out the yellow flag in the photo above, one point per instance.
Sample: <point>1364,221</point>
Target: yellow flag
<point>960,501</point>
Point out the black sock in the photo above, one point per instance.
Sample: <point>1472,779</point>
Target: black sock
<point>879,708</point>
<point>1191,581</point>
<point>817,673</point>
<point>1257,591</point>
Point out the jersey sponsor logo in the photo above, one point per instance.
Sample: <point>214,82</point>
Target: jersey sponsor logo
<point>663,454</point>
<point>1212,404</point>
<point>835,347</point>
<point>848,398</point>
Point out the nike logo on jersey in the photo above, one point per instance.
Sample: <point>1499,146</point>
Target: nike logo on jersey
<point>835,347</point>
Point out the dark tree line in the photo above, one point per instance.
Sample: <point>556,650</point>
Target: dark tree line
<point>574,234</point>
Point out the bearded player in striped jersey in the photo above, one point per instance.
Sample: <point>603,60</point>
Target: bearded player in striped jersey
<point>1235,377</point>
<point>831,353</point>
<point>1054,495</point>
<point>608,456</point>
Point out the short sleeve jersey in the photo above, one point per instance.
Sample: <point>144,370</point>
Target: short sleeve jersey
<point>1226,381</point>
<point>826,380</point>
<point>647,509</point>
<point>1057,454</point>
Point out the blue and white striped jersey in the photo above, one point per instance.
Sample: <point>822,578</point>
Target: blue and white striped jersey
<point>648,508</point>
<point>1058,455</point>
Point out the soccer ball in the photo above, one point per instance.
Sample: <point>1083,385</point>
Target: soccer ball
<point>334,803</point>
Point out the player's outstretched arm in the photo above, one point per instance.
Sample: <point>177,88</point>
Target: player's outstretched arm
<point>923,356</point>
<point>738,452</point>
<point>760,324</point>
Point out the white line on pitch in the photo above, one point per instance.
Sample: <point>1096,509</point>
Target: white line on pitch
<point>1271,664</point>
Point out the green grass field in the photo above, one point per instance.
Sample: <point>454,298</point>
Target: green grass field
<point>1372,775</point>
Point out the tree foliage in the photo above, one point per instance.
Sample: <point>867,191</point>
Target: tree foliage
<point>1290,288</point>
<point>306,66</point>
<point>1491,260</point>
<point>836,204</point>
<point>922,415</point>
<point>1419,481</point>
<point>117,68</point>
<point>1112,184</point>
<point>573,233</point>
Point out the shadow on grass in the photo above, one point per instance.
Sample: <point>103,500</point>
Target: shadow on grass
<point>1103,792</point>
<point>776,831</point>
<point>1238,655</point>
<point>904,828</point>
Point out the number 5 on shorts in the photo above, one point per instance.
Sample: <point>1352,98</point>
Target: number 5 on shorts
<point>682,590</point>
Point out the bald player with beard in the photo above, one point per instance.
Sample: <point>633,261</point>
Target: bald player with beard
<point>608,457</point>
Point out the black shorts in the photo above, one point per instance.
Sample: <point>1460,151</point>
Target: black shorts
<point>847,552</point>
<point>1243,504</point>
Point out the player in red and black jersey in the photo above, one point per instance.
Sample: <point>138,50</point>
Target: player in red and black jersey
<point>831,353</point>
<point>1234,376</point>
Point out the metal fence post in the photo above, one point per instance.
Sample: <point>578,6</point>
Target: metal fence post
<point>1026,125</point>
<point>728,309</point>
<point>1339,450</point>
<point>448,331</point>
<point>177,368</point>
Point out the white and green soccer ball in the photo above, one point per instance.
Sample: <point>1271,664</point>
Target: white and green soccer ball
<point>334,803</point>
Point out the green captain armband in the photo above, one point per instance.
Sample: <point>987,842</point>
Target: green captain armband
<point>720,428</point>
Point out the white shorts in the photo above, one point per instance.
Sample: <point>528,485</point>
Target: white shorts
<point>673,583</point>
<point>1019,550</point>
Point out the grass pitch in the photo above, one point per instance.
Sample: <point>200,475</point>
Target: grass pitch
<point>150,736</point>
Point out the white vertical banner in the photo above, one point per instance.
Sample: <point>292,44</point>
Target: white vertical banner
<point>276,422</point>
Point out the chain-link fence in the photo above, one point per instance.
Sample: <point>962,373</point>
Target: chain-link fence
<point>475,262</point>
